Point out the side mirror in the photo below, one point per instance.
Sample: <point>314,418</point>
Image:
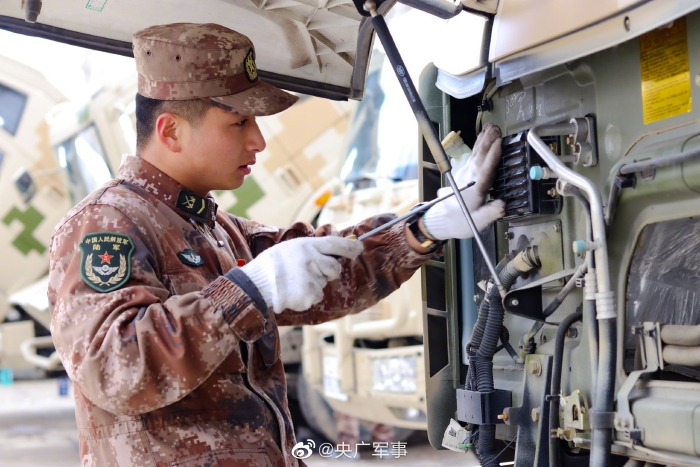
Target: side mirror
<point>25,185</point>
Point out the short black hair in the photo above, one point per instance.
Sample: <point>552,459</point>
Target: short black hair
<point>148,110</point>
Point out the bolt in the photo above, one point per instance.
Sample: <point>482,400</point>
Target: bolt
<point>554,147</point>
<point>503,416</point>
<point>509,235</point>
<point>476,299</point>
<point>571,333</point>
<point>553,193</point>
<point>535,414</point>
<point>534,367</point>
<point>514,302</point>
<point>556,228</point>
<point>570,140</point>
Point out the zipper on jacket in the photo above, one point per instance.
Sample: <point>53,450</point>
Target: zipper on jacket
<point>275,410</point>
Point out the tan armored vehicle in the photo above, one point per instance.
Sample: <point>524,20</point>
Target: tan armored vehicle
<point>29,210</point>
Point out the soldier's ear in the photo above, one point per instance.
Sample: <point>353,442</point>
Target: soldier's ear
<point>169,131</point>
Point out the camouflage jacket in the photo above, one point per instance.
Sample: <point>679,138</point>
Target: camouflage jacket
<point>175,364</point>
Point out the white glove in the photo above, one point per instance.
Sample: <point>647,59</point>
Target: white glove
<point>445,220</point>
<point>292,274</point>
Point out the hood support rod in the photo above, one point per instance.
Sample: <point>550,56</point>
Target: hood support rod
<point>431,137</point>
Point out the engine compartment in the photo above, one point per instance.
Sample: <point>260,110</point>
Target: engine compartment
<point>645,178</point>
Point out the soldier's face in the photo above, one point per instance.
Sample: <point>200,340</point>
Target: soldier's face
<point>223,148</point>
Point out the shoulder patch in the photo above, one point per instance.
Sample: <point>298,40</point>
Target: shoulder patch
<point>106,260</point>
<point>190,257</point>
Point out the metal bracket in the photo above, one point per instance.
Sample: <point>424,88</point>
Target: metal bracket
<point>583,142</point>
<point>527,301</point>
<point>650,335</point>
<point>532,417</point>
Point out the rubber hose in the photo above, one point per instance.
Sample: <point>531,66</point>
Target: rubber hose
<point>677,334</point>
<point>565,291</point>
<point>529,345</point>
<point>590,317</point>
<point>505,343</point>
<point>679,355</point>
<point>555,386</point>
<point>602,437</point>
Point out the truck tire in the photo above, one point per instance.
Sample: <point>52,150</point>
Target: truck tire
<point>319,414</point>
<point>316,411</point>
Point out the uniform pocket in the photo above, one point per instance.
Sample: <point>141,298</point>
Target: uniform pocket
<point>226,458</point>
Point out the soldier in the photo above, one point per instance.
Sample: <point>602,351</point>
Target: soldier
<point>165,310</point>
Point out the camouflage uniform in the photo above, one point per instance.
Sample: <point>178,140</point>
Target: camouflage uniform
<point>180,365</point>
<point>174,355</point>
<point>186,61</point>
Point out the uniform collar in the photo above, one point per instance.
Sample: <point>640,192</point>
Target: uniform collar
<point>146,176</point>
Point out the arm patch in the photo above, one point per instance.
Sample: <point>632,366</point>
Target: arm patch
<point>105,260</point>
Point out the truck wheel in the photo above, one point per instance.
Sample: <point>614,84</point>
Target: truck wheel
<point>315,409</point>
<point>319,414</point>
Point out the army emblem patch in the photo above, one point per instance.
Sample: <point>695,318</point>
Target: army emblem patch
<point>105,260</point>
<point>190,257</point>
<point>249,68</point>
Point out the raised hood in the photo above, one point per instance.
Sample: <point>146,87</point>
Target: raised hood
<point>317,47</point>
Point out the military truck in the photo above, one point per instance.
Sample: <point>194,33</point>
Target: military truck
<point>27,216</point>
<point>588,358</point>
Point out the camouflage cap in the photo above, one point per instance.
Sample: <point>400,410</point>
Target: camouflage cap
<point>183,61</point>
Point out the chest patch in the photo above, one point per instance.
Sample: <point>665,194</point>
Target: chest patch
<point>106,260</point>
<point>190,258</point>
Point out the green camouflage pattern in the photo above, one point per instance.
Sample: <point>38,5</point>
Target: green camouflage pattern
<point>159,365</point>
<point>183,61</point>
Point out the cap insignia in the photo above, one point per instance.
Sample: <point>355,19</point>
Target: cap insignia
<point>251,71</point>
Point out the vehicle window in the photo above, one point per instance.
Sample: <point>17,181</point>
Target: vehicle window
<point>379,146</point>
<point>83,159</point>
<point>383,138</point>
<point>12,104</point>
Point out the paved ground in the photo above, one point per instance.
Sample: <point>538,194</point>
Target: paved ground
<point>37,426</point>
<point>37,429</point>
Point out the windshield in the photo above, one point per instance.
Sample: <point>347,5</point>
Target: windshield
<point>83,159</point>
<point>379,146</point>
<point>383,139</point>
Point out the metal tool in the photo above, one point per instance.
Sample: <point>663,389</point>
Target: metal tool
<point>418,210</point>
<point>431,137</point>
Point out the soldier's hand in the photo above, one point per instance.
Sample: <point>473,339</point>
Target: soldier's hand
<point>445,220</point>
<point>292,274</point>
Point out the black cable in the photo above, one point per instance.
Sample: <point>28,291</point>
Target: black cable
<point>555,386</point>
